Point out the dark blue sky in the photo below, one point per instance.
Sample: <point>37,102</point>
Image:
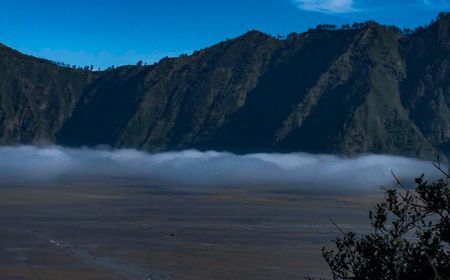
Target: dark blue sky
<point>103,33</point>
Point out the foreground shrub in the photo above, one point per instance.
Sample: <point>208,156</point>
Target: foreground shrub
<point>409,238</point>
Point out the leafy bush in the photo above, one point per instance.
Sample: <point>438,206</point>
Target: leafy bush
<point>409,238</point>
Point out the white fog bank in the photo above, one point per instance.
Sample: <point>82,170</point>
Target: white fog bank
<point>28,164</point>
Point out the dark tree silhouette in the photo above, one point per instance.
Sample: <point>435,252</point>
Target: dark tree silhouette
<point>409,239</point>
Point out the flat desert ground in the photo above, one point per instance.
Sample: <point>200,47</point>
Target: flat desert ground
<point>125,229</point>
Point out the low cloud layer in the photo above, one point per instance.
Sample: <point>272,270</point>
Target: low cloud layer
<point>29,164</point>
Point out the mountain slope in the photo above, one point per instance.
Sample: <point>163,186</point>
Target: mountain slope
<point>352,90</point>
<point>36,97</point>
<point>426,89</point>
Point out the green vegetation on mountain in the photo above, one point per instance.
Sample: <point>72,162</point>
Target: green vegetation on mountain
<point>356,89</point>
<point>36,97</point>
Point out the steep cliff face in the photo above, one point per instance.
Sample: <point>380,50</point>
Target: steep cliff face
<point>173,104</point>
<point>297,67</point>
<point>342,95</point>
<point>426,89</point>
<point>205,92</point>
<point>367,89</point>
<point>36,97</point>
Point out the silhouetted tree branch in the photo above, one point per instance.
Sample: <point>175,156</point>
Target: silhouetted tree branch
<point>409,239</point>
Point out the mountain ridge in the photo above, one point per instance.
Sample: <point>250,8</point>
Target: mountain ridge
<point>370,88</point>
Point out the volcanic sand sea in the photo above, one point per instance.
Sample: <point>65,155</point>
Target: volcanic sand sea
<point>126,229</point>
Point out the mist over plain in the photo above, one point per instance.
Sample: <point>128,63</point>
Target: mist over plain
<point>28,165</point>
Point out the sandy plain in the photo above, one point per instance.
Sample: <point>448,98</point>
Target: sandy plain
<point>126,229</point>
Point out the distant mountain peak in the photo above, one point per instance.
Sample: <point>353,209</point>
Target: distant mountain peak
<point>254,35</point>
